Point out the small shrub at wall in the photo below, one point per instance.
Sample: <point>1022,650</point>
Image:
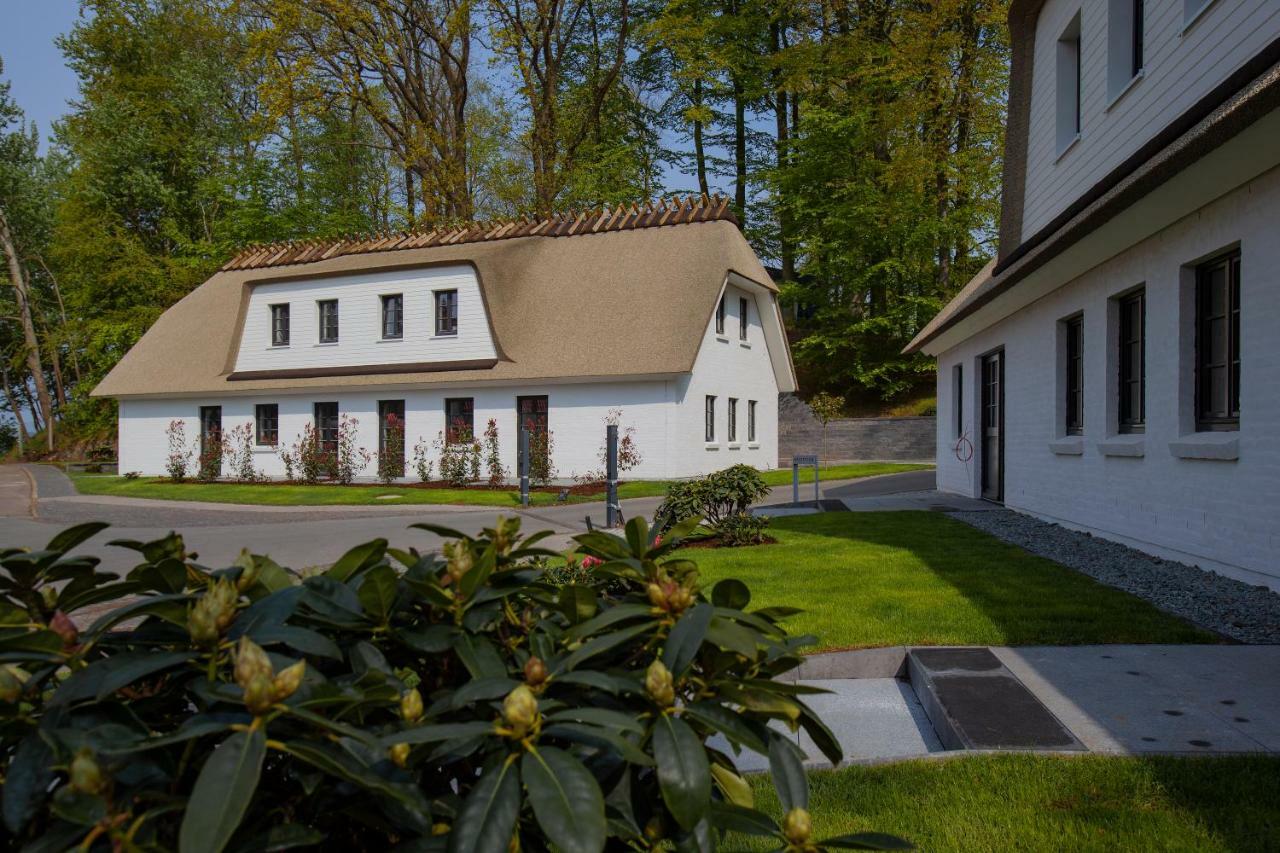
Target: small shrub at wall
<point>348,458</point>
<point>391,456</point>
<point>452,702</point>
<point>238,451</point>
<point>542,448</point>
<point>459,457</point>
<point>422,461</point>
<point>493,457</point>
<point>209,466</point>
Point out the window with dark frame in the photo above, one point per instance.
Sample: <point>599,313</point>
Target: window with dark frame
<point>733,420</point>
<point>957,396</point>
<point>743,319</point>
<point>720,316</point>
<point>326,425</point>
<point>328,321</point>
<point>1218,344</point>
<point>211,434</point>
<point>709,420</point>
<point>460,420</point>
<point>446,312</point>
<point>1074,366</point>
<point>266,421</point>
<point>1138,36</point>
<point>751,420</point>
<point>280,325</point>
<point>391,435</point>
<point>393,316</point>
<point>1133,367</point>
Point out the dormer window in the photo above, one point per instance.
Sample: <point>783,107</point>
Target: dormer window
<point>1125,43</point>
<point>393,317</point>
<point>743,320</point>
<point>328,320</point>
<point>720,316</point>
<point>446,312</point>
<point>1068,84</point>
<point>280,325</point>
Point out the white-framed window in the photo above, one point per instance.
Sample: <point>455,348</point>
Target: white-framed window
<point>1068,85</point>
<point>328,311</point>
<point>280,325</point>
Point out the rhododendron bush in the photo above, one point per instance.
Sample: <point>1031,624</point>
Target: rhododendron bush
<point>416,701</point>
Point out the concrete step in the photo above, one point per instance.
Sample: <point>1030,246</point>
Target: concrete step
<point>975,702</point>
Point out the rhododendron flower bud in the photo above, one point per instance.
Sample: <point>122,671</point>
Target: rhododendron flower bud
<point>49,596</point>
<point>11,680</point>
<point>535,671</point>
<point>520,710</point>
<point>411,706</point>
<point>659,685</point>
<point>287,681</point>
<point>399,754</point>
<point>62,625</point>
<point>251,661</point>
<point>86,775</point>
<point>797,827</point>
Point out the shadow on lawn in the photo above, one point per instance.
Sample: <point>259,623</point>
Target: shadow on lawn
<point>1029,599</point>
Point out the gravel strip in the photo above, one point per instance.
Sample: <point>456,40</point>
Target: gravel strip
<point>1250,614</point>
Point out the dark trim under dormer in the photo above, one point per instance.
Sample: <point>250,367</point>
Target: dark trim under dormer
<point>364,369</point>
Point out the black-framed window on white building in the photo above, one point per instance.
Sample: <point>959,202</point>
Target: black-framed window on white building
<point>266,424</point>
<point>733,420</point>
<point>743,318</point>
<point>326,426</point>
<point>709,420</point>
<point>1218,343</point>
<point>391,436</point>
<point>1073,383</point>
<point>957,398</point>
<point>1067,83</point>
<point>328,309</point>
<point>446,312</point>
<point>393,316</point>
<point>460,420</point>
<point>280,325</point>
<point>751,421</point>
<point>720,316</point>
<point>1132,384</point>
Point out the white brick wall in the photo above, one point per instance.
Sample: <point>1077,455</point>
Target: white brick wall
<point>1219,514</point>
<point>360,320</point>
<point>1181,67</point>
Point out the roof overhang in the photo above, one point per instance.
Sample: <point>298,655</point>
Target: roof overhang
<point>1231,144</point>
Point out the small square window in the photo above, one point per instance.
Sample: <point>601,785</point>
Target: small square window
<point>446,312</point>
<point>266,419</point>
<point>328,321</point>
<point>393,316</point>
<point>280,325</point>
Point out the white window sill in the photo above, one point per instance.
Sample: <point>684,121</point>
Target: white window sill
<point>735,446</point>
<point>1066,149</point>
<point>1222,446</point>
<point>1124,445</point>
<point>724,339</point>
<point>264,448</point>
<point>754,445</point>
<point>325,344</point>
<point>277,346</point>
<point>712,446</point>
<point>1124,90</point>
<point>445,335</point>
<point>1072,445</point>
<point>744,344</point>
<point>389,341</point>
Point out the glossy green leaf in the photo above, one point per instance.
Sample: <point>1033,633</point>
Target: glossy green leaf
<point>222,793</point>
<point>787,770</point>
<point>736,727</point>
<point>489,813</point>
<point>686,638</point>
<point>731,593</point>
<point>822,736</point>
<point>27,781</point>
<point>76,535</point>
<point>600,645</point>
<point>731,818</point>
<point>637,532</point>
<point>377,593</point>
<point>438,732</point>
<point>601,738</point>
<point>358,559</point>
<point>577,603</point>
<point>102,678</point>
<point>684,776</point>
<point>566,800</point>
<point>734,787</point>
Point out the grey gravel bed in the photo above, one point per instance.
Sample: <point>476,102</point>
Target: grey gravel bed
<point>1250,614</point>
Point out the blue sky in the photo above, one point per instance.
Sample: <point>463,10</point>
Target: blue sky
<point>42,83</point>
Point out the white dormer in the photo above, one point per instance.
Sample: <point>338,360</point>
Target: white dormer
<point>391,317</point>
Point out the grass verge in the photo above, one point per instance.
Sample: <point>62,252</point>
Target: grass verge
<point>374,494</point>
<point>920,578</point>
<point>1025,802</point>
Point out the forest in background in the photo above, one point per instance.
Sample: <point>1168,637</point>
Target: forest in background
<point>859,141</point>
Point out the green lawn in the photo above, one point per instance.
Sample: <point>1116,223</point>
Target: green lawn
<point>1025,802</point>
<point>921,578</point>
<point>319,495</point>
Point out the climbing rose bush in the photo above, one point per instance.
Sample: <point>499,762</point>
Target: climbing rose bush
<point>397,699</point>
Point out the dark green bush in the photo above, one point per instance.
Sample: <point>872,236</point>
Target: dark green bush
<point>725,494</point>
<point>396,700</point>
<point>742,530</point>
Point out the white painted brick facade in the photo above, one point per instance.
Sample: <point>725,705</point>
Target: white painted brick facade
<point>1223,515</point>
<point>667,415</point>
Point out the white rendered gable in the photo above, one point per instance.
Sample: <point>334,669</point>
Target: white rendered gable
<point>360,340</point>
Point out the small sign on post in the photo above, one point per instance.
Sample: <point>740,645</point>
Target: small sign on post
<point>806,461</point>
<point>522,464</point>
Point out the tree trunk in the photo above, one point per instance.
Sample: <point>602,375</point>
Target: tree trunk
<point>19,279</point>
<point>786,249</point>
<point>409,203</point>
<point>24,437</point>
<point>699,151</point>
<point>62,312</point>
<point>740,149</point>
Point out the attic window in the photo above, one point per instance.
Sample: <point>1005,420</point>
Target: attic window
<point>1068,85</point>
<point>280,325</point>
<point>328,309</point>
<point>742,318</point>
<point>1125,39</point>
<point>720,316</point>
<point>393,317</point>
<point>446,312</point>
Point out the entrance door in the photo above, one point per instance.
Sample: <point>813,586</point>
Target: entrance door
<point>993,426</point>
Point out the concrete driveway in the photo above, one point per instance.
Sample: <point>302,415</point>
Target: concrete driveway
<point>37,501</point>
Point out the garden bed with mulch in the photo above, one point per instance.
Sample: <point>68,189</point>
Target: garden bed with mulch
<point>581,489</point>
